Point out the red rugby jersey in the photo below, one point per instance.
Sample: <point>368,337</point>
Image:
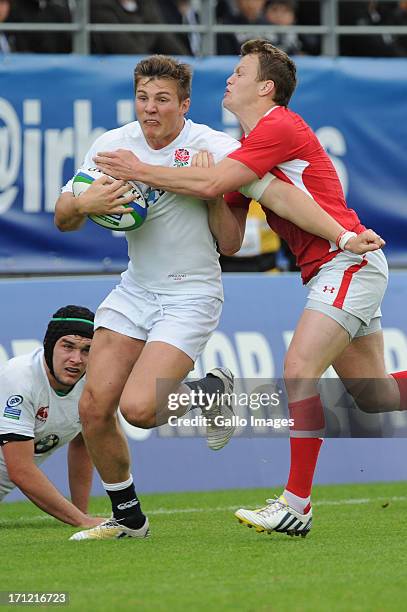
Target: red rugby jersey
<point>283,144</point>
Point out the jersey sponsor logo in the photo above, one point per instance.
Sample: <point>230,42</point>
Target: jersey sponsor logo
<point>12,413</point>
<point>10,410</point>
<point>129,504</point>
<point>329,289</point>
<point>181,157</point>
<point>42,414</point>
<point>14,400</point>
<point>46,444</point>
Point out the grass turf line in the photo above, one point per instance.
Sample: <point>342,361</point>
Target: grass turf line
<point>353,559</point>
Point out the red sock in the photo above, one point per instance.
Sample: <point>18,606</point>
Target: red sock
<point>304,457</point>
<point>307,414</point>
<point>401,380</point>
<point>308,417</point>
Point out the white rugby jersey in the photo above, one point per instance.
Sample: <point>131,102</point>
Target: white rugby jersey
<point>173,252</point>
<point>30,407</point>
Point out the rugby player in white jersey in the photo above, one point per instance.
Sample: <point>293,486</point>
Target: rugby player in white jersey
<point>39,396</point>
<point>156,322</point>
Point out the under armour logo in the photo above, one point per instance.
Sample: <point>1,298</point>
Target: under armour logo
<point>129,504</point>
<point>328,288</point>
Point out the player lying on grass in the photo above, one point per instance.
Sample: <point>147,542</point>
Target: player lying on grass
<point>346,272</point>
<point>39,396</point>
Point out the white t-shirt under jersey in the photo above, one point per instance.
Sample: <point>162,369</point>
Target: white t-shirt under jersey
<point>30,407</point>
<point>173,252</point>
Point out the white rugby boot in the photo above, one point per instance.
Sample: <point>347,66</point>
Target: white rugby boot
<point>220,417</point>
<point>112,529</point>
<point>276,516</point>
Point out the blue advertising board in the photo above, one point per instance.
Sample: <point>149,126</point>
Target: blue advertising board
<point>258,320</point>
<point>53,107</point>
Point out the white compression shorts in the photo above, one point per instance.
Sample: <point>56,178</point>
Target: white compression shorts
<point>184,321</point>
<point>350,289</point>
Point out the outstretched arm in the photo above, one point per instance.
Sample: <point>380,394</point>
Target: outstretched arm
<point>206,183</point>
<point>229,175</point>
<point>292,204</point>
<point>80,473</point>
<point>22,471</point>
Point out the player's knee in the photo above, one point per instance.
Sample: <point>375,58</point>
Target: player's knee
<point>85,406</point>
<point>298,367</point>
<point>294,369</point>
<point>139,413</point>
<point>92,411</point>
<point>374,405</point>
<point>375,395</point>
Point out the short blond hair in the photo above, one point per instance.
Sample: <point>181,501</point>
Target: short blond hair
<point>164,67</point>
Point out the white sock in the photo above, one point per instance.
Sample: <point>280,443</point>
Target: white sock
<point>295,502</point>
<point>118,486</point>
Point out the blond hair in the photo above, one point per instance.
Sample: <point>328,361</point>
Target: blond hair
<point>164,67</point>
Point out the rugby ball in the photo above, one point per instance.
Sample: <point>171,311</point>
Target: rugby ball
<point>120,222</point>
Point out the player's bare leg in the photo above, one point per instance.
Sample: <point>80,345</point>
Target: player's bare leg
<point>129,371</point>
<point>317,342</point>
<point>159,372</point>
<point>158,375</point>
<point>362,369</point>
<point>109,367</point>
<point>111,360</point>
<point>149,373</point>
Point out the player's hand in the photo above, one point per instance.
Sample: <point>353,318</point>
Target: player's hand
<point>202,159</point>
<point>92,521</point>
<point>105,196</point>
<point>122,164</point>
<point>364,242</point>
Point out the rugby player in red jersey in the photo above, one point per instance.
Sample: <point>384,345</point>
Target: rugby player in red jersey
<point>343,266</point>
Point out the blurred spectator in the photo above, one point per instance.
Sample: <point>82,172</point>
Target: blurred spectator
<point>135,43</point>
<point>182,13</point>
<point>6,41</point>
<point>42,11</point>
<point>399,17</point>
<point>282,12</point>
<point>309,13</point>
<point>375,45</point>
<point>248,12</point>
<point>260,246</point>
<point>224,10</point>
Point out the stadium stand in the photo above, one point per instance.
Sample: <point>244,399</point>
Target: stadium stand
<point>41,11</point>
<point>207,27</point>
<point>129,12</point>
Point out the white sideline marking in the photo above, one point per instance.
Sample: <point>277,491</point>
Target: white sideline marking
<point>157,511</point>
<point>326,502</point>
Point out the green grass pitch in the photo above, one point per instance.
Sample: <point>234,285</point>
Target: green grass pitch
<point>200,558</point>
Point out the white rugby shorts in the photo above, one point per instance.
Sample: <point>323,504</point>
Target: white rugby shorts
<point>350,289</point>
<point>184,321</point>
